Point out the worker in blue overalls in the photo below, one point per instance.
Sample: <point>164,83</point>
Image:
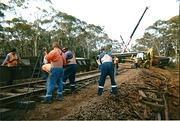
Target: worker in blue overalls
<point>70,69</point>
<point>106,68</point>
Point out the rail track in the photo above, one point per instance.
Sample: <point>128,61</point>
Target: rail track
<point>17,92</point>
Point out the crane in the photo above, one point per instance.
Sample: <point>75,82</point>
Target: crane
<point>125,46</point>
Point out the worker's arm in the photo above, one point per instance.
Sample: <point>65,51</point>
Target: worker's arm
<point>64,60</point>
<point>5,61</point>
<point>19,60</point>
<point>50,56</point>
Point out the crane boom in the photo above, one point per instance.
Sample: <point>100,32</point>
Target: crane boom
<point>136,27</point>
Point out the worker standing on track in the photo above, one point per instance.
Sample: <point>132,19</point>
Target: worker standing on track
<point>57,60</point>
<point>70,68</point>
<point>11,61</point>
<point>106,68</point>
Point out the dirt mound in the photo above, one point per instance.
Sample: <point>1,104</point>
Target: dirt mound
<point>143,94</point>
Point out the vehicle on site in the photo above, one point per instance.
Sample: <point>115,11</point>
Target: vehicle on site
<point>143,59</point>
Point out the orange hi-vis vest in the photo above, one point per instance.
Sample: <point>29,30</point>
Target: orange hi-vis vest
<point>56,58</point>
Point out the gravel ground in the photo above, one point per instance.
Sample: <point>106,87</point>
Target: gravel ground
<point>126,105</point>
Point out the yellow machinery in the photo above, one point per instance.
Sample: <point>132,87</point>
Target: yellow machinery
<point>150,58</point>
<point>142,60</point>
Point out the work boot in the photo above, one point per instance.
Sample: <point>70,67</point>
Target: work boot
<point>60,98</point>
<point>100,91</point>
<point>114,90</point>
<point>64,86</point>
<point>73,88</point>
<point>46,100</point>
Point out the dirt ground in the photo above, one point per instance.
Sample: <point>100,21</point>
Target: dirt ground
<point>128,104</point>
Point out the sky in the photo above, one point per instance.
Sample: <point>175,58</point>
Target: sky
<point>118,17</point>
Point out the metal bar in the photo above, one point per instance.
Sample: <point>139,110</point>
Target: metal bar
<point>136,27</point>
<point>17,96</point>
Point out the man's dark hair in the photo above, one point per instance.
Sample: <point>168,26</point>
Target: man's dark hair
<point>65,49</point>
<point>13,50</point>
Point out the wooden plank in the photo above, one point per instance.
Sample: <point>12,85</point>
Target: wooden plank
<point>154,105</point>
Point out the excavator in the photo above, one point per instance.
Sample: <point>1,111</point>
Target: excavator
<point>140,59</point>
<point>144,59</point>
<point>157,60</point>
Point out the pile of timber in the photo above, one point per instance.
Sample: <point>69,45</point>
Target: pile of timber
<point>143,99</point>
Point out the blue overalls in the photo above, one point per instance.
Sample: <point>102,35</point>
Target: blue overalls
<point>106,69</point>
<point>70,70</point>
<point>70,73</point>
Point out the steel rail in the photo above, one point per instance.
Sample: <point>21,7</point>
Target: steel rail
<point>38,81</point>
<point>12,97</point>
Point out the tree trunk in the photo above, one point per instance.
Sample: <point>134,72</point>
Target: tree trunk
<point>157,48</point>
<point>84,52</point>
<point>35,46</point>
<point>177,42</point>
<point>88,50</point>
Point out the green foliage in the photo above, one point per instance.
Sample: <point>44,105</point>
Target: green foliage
<point>19,3</point>
<point>162,35</point>
<point>53,25</point>
<point>1,14</point>
<point>3,6</point>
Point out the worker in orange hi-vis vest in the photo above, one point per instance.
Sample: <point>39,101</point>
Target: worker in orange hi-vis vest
<point>11,61</point>
<point>57,60</point>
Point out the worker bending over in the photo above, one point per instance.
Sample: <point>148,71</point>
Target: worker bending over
<point>106,68</point>
<point>11,61</point>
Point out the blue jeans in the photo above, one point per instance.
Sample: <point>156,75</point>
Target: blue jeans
<point>55,77</point>
<point>70,73</point>
<point>107,68</point>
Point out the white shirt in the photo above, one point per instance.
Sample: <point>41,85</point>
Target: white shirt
<point>106,58</point>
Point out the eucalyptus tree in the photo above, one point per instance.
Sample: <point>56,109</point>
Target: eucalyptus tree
<point>174,36</point>
<point>116,46</point>
<point>3,8</point>
<point>163,36</point>
<point>74,33</point>
<point>33,12</point>
<point>159,30</point>
<point>18,34</point>
<point>147,41</point>
<point>66,29</point>
<point>91,37</point>
<point>44,23</point>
